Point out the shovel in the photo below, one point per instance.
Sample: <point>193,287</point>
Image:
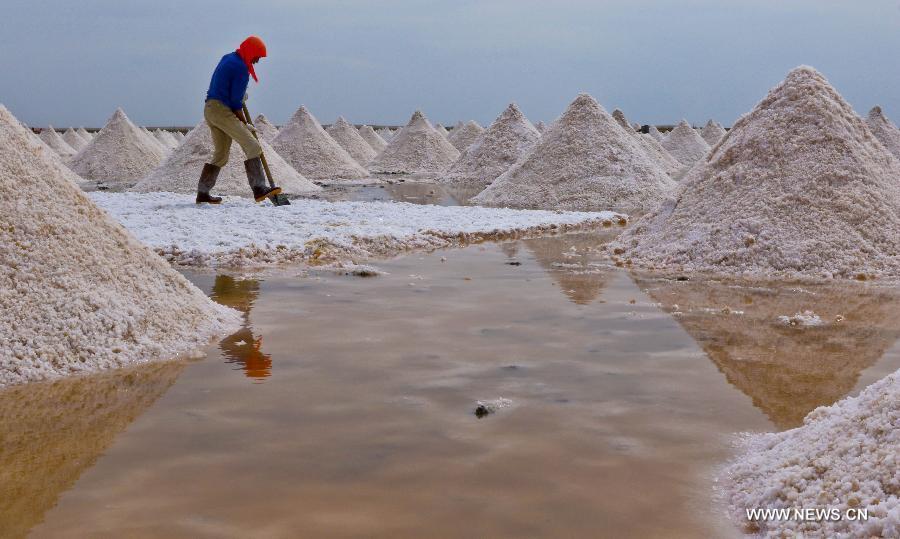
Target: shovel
<point>280,199</point>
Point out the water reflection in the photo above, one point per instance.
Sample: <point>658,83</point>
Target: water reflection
<point>574,262</point>
<point>243,348</point>
<point>412,192</point>
<point>787,370</point>
<point>50,433</point>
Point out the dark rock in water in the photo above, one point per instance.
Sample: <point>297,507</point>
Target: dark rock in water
<point>482,410</point>
<point>485,408</point>
<point>514,263</point>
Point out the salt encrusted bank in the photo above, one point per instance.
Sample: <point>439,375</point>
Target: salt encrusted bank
<point>77,292</point>
<point>240,232</point>
<point>800,188</point>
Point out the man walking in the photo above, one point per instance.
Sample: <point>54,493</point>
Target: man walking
<point>225,117</point>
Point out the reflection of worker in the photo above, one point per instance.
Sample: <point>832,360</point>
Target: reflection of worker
<point>242,348</point>
<point>225,116</point>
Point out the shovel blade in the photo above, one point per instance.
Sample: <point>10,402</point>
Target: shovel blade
<point>280,200</point>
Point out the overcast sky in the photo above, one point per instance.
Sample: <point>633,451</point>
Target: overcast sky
<point>73,62</point>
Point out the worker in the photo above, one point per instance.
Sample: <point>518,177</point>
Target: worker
<point>225,117</point>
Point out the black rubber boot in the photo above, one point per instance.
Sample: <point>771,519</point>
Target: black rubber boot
<point>256,175</point>
<point>208,177</point>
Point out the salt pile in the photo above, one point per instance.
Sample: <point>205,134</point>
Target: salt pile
<point>712,132</point>
<point>540,126</point>
<point>374,139</point>
<point>386,134</point>
<point>74,140</point>
<point>844,456</point>
<point>245,233</point>
<point>509,138</point>
<point>464,135</point>
<point>120,154</point>
<point>685,144</point>
<point>168,142</point>
<point>417,148</point>
<point>584,161</point>
<point>799,188</point>
<point>153,140</point>
<point>620,118</point>
<point>265,128</point>
<point>660,155</point>
<point>81,294</point>
<point>349,138</point>
<point>312,152</point>
<point>85,134</point>
<point>181,170</point>
<point>442,130</point>
<point>884,130</point>
<point>654,132</point>
<point>56,143</point>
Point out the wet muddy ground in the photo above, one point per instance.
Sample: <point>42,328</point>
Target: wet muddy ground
<point>345,407</point>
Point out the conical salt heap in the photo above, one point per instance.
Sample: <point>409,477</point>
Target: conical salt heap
<point>654,132</point>
<point>660,155</point>
<point>442,131</point>
<point>509,138</point>
<point>712,132</point>
<point>417,148</point>
<point>120,154</point>
<point>79,292</point>
<point>265,128</point>
<point>584,161</point>
<point>181,170</point>
<point>374,139</point>
<point>56,143</point>
<point>152,138</point>
<point>74,140</point>
<point>163,137</point>
<point>799,188</point>
<point>540,126</point>
<point>685,144</point>
<point>386,134</point>
<point>464,135</point>
<point>85,134</point>
<point>312,152</point>
<point>620,118</point>
<point>348,137</point>
<point>884,130</point>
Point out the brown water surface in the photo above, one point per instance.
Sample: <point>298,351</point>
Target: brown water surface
<point>344,407</point>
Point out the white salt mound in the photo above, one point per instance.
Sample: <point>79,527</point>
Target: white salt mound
<point>120,154</point>
<point>660,155</point>
<point>620,118</point>
<point>181,170</point>
<point>800,187</point>
<point>85,134</point>
<point>654,132</point>
<point>540,126</point>
<point>265,128</point>
<point>169,143</point>
<point>417,148</point>
<point>56,143</point>
<point>152,138</point>
<point>312,152</point>
<point>584,161</point>
<point>374,139</point>
<point>685,144</point>
<point>442,130</point>
<point>884,130</point>
<point>712,132</point>
<point>844,456</point>
<point>509,138</point>
<point>349,138</point>
<point>386,134</point>
<point>73,139</point>
<point>79,293</point>
<point>465,135</point>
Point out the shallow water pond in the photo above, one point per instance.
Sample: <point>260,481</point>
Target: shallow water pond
<point>344,408</point>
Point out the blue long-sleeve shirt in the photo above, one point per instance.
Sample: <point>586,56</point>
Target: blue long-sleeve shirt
<point>229,81</point>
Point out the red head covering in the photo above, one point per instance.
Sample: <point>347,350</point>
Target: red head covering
<point>251,49</point>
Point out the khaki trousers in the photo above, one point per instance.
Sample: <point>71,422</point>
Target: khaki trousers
<point>225,127</point>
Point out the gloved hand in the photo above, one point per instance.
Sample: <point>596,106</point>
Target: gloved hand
<point>251,128</point>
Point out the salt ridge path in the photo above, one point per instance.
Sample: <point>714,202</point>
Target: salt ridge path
<point>240,232</point>
<point>77,292</point>
<point>800,188</point>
